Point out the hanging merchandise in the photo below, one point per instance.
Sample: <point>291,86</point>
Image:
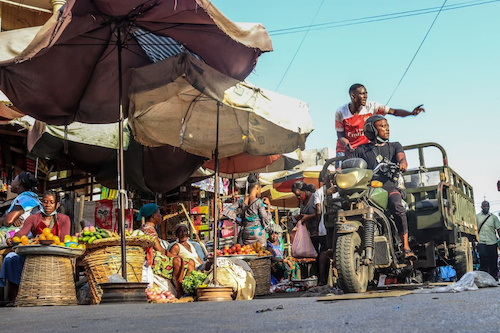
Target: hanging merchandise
<point>104,214</point>
<point>129,219</point>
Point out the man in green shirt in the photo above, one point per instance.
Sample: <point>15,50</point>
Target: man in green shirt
<point>488,226</point>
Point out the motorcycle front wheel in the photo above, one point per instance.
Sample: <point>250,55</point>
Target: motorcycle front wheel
<point>353,275</point>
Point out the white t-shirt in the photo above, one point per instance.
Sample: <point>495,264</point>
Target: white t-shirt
<point>318,198</point>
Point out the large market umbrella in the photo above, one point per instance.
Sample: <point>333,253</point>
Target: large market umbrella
<point>176,102</point>
<point>76,68</point>
<point>187,101</point>
<point>243,164</point>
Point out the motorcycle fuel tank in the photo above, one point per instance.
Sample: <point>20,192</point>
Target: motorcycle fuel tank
<point>379,197</point>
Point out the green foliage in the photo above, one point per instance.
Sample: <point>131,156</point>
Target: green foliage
<point>191,282</point>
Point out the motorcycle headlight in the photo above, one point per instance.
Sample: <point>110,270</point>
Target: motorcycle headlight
<point>347,180</point>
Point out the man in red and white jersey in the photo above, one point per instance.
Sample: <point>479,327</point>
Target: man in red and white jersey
<point>350,118</point>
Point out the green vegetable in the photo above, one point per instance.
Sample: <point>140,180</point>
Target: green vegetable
<point>192,281</point>
<point>91,239</point>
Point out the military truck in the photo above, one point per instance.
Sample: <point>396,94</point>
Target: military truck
<point>441,220</point>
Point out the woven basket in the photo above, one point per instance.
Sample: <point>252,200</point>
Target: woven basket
<point>104,261</point>
<point>261,268</point>
<point>47,280</point>
<point>142,241</point>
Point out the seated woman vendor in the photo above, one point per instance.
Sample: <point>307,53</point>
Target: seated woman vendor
<point>281,267</point>
<point>59,224</point>
<point>25,204</point>
<point>185,248</point>
<point>165,263</point>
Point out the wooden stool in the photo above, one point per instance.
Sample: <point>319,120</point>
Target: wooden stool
<point>47,280</point>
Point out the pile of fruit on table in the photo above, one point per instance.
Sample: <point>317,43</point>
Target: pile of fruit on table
<point>47,238</point>
<point>238,249</point>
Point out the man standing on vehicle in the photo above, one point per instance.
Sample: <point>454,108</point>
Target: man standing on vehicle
<point>488,225</point>
<point>378,150</point>
<point>350,118</point>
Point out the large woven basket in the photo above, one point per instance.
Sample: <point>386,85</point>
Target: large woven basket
<point>261,268</point>
<point>101,262</point>
<point>47,280</point>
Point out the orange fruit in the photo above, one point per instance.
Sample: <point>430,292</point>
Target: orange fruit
<point>42,237</point>
<point>25,240</point>
<point>16,239</point>
<point>73,246</point>
<point>67,239</point>
<point>74,239</point>
<point>46,231</point>
<point>56,239</point>
<point>50,236</point>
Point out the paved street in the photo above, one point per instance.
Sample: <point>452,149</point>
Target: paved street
<point>473,311</point>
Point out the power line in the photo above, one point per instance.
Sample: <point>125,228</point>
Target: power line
<point>298,48</point>
<point>416,52</point>
<point>377,18</point>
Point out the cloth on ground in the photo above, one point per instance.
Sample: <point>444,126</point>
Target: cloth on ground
<point>237,275</point>
<point>469,281</point>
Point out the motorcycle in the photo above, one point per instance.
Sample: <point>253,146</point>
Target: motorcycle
<point>367,242</point>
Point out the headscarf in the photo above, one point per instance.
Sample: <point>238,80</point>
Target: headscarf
<point>147,210</point>
<point>274,228</point>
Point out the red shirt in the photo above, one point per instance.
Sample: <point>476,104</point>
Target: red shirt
<point>35,224</point>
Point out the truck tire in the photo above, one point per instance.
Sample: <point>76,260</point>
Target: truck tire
<point>463,257</point>
<point>353,276</point>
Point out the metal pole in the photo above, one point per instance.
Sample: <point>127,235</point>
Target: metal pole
<point>121,168</point>
<point>216,196</point>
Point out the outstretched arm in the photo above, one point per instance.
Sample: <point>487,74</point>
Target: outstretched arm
<point>404,113</point>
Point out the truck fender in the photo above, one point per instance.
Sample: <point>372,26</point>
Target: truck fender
<point>348,227</point>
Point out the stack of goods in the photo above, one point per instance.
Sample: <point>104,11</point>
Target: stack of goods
<point>103,258</point>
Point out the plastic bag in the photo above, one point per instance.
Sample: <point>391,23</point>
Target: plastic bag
<point>302,246</point>
<point>469,281</point>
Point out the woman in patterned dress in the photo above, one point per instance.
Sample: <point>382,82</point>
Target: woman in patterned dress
<point>164,263</point>
<point>255,216</point>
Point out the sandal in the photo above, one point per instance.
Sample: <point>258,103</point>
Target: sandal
<point>408,254</point>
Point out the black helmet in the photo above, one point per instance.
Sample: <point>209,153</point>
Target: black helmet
<point>369,127</point>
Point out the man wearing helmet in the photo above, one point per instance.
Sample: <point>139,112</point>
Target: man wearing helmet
<point>379,149</point>
<point>350,118</point>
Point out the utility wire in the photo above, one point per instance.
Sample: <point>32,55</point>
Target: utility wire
<point>415,55</point>
<point>377,18</point>
<point>300,45</point>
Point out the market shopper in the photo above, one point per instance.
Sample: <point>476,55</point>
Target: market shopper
<point>488,226</point>
<point>281,267</point>
<point>311,212</point>
<point>25,204</point>
<point>255,214</point>
<point>59,225</point>
<point>164,263</point>
<point>350,118</point>
<point>380,150</point>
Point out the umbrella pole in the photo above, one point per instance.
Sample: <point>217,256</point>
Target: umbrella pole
<point>216,197</point>
<point>121,168</point>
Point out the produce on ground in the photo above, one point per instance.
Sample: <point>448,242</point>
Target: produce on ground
<point>193,281</point>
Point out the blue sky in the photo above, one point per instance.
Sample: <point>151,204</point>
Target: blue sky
<point>455,75</point>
